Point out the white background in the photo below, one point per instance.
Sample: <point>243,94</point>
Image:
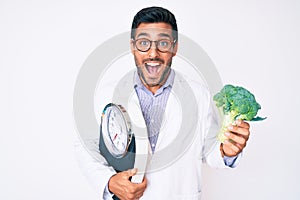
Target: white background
<point>44,43</point>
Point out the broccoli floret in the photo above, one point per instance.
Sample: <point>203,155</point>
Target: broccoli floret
<point>237,103</point>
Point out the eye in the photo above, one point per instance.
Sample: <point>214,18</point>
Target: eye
<point>164,43</point>
<point>144,42</point>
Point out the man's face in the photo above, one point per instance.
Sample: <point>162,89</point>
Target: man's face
<point>153,65</point>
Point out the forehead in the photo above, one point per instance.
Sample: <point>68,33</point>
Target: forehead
<point>154,30</point>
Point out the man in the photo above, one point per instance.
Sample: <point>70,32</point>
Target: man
<point>154,42</point>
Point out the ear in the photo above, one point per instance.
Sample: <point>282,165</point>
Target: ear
<point>175,48</point>
<point>132,46</point>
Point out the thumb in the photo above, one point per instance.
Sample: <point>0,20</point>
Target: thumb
<point>131,172</point>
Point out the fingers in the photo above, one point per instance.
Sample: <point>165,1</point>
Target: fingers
<point>131,172</point>
<point>242,123</point>
<point>136,191</point>
<point>241,130</point>
<point>230,148</point>
<point>120,185</point>
<point>142,186</point>
<point>238,136</point>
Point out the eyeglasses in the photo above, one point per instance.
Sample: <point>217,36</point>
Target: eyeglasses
<point>162,45</point>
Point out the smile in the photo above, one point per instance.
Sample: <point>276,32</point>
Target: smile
<point>153,67</point>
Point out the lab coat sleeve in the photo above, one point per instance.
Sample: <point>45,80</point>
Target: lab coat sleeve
<point>95,168</point>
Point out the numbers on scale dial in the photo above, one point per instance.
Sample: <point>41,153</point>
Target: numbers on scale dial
<point>117,130</point>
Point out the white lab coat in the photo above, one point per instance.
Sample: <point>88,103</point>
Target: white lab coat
<point>181,178</point>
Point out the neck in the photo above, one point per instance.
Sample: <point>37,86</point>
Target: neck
<point>153,88</point>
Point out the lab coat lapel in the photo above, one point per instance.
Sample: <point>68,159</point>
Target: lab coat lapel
<point>171,120</point>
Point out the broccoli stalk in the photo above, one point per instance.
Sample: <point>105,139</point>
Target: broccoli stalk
<point>236,103</point>
<point>228,119</point>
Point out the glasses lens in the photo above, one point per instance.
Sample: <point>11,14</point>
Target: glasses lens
<point>164,45</point>
<point>143,44</point>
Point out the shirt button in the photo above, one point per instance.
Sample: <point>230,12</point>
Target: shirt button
<point>153,145</point>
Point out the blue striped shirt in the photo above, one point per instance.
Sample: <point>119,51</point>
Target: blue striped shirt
<point>153,105</point>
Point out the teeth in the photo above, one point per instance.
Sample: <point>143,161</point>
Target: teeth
<point>152,64</point>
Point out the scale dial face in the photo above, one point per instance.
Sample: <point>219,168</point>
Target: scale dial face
<point>116,130</point>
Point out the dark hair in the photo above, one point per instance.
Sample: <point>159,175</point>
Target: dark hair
<point>154,15</point>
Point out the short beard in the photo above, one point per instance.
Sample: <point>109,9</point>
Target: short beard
<point>163,77</point>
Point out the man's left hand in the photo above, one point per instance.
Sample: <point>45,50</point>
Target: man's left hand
<point>238,136</point>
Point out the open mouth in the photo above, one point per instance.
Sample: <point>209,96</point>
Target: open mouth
<point>153,68</point>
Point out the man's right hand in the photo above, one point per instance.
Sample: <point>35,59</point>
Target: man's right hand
<point>120,185</point>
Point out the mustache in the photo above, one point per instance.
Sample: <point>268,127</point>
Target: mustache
<point>153,59</point>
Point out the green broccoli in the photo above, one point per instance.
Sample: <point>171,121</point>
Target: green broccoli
<point>237,103</point>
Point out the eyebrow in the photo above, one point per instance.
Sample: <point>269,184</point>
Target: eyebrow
<point>161,35</point>
<point>165,35</point>
<point>142,34</point>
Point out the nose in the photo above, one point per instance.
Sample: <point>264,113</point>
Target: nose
<point>153,51</point>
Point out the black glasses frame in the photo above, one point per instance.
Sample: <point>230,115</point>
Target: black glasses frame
<point>156,42</point>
